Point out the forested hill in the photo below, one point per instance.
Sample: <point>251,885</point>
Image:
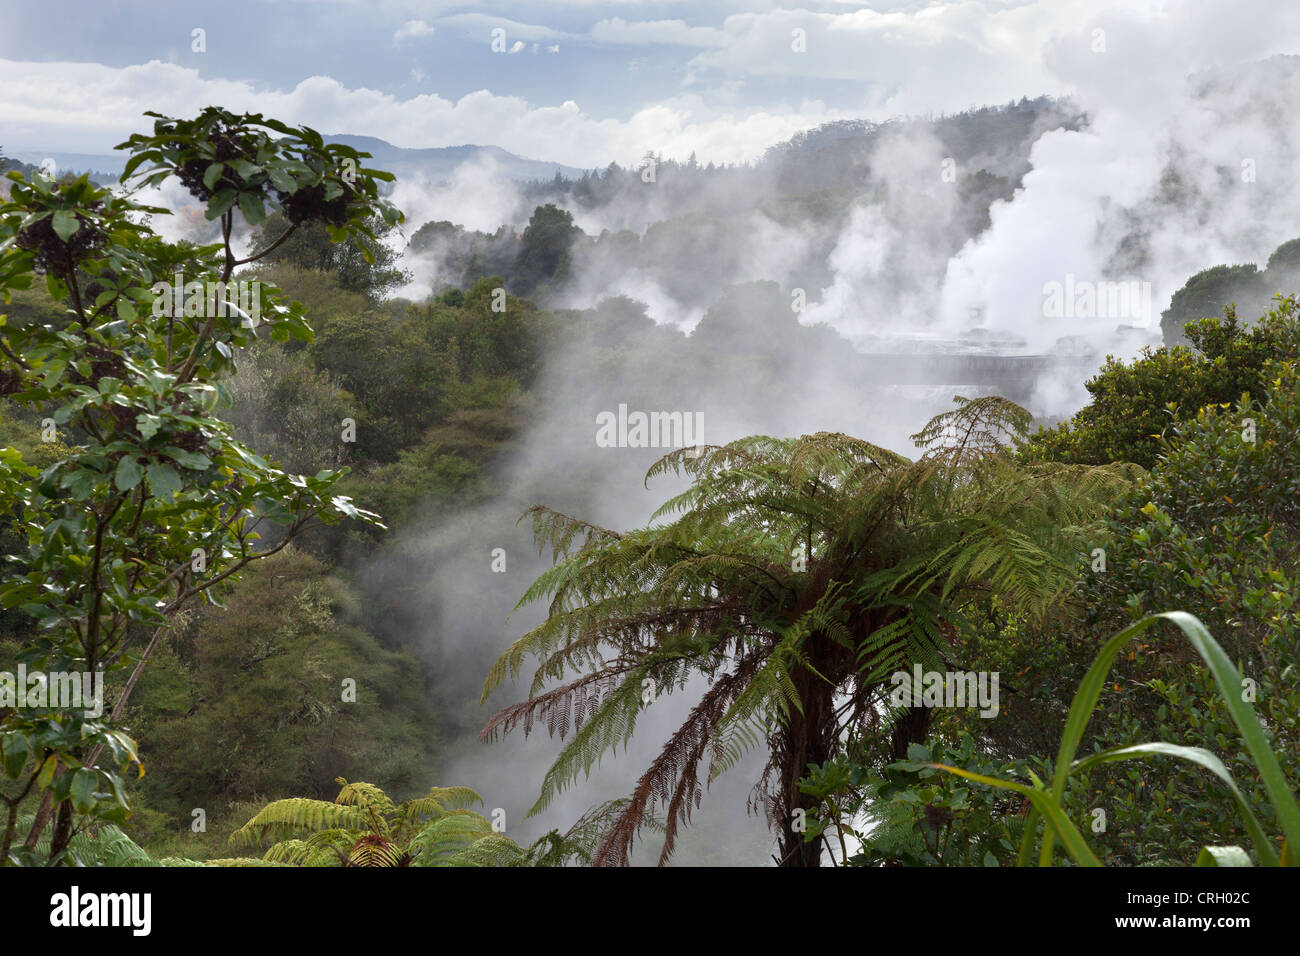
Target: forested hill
<point>684,230</point>
<point>440,163</point>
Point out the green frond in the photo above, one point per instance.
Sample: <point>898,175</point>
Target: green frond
<point>455,796</point>
<point>298,817</point>
<point>611,724</point>
<point>975,426</point>
<point>371,799</point>
<point>439,842</point>
<point>581,841</point>
<point>494,849</point>
<point>323,848</point>
<point>374,850</point>
<point>560,531</point>
<point>438,803</point>
<point>101,845</point>
<point>241,861</point>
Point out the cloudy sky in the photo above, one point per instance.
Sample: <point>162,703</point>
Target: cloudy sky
<point>584,82</point>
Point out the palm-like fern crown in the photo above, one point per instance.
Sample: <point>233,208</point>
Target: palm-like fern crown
<point>364,827</point>
<point>782,553</point>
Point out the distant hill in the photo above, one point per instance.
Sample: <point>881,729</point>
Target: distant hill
<point>439,163</point>
<point>103,167</point>
<point>434,165</point>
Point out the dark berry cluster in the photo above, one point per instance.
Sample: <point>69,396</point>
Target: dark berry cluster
<point>10,381</point>
<point>309,204</point>
<point>226,146</point>
<point>55,256</point>
<point>104,363</point>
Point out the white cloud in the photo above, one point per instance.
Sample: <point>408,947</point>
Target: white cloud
<point>475,24</point>
<point>676,32</point>
<point>413,30</point>
<point>47,106</point>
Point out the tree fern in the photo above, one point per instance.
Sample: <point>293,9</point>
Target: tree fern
<point>364,827</point>
<point>790,574</point>
<point>103,845</point>
<point>298,817</point>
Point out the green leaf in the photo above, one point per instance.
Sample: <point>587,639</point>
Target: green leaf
<point>15,747</point>
<point>1203,758</point>
<point>46,775</point>
<point>1223,856</point>
<point>65,224</point>
<point>212,174</point>
<point>189,459</point>
<point>221,202</point>
<point>147,425</point>
<point>250,204</point>
<point>282,180</point>
<point>1228,680</point>
<point>128,474</point>
<point>1046,805</point>
<point>81,483</point>
<point>83,790</point>
<point>163,480</point>
<point>133,163</point>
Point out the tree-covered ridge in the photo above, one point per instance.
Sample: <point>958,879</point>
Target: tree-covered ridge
<point>683,224</point>
<point>1247,289</point>
<point>1134,404</point>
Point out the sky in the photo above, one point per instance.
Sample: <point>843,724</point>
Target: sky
<point>585,83</point>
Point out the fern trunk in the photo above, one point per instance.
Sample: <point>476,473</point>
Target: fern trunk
<point>808,738</point>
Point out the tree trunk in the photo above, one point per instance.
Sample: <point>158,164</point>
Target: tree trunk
<point>911,726</point>
<point>809,738</point>
<point>62,829</point>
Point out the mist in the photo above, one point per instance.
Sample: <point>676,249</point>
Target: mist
<point>1110,187</point>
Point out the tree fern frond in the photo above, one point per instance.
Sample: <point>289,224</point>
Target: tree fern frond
<point>494,849</point>
<point>374,850</point>
<point>438,842</point>
<point>611,724</point>
<point>241,861</point>
<point>297,817</point>
<point>789,571</point>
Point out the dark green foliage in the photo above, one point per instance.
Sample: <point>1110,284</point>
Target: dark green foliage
<point>367,266</point>
<point>247,702</point>
<point>400,385</point>
<point>151,502</point>
<point>1244,287</point>
<point>1207,293</point>
<point>544,253</point>
<point>466,256</point>
<point>1216,530</point>
<point>911,814</point>
<point>1134,403</point>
